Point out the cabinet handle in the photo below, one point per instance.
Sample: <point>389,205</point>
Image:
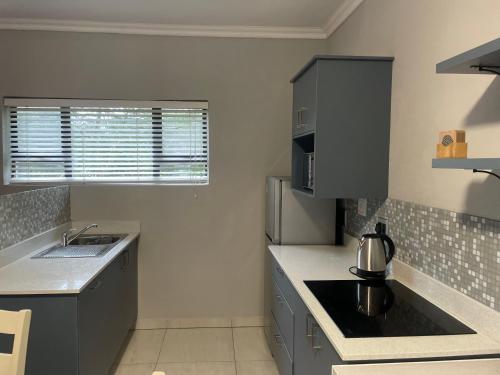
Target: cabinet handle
<point>125,259</point>
<point>96,285</point>
<point>277,340</point>
<point>315,346</point>
<point>280,271</point>
<point>300,118</point>
<point>309,323</point>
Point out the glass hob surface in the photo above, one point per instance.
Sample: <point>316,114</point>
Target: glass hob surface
<point>385,308</point>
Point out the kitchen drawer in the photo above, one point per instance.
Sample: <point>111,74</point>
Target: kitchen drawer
<point>283,283</point>
<point>280,352</point>
<point>284,316</point>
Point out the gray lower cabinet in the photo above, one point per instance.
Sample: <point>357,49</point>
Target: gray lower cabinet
<point>297,342</point>
<point>80,334</point>
<point>107,311</point>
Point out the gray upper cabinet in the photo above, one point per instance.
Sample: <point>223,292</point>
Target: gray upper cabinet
<point>341,127</point>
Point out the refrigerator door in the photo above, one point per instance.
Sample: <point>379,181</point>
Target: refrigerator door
<point>305,220</point>
<point>273,209</point>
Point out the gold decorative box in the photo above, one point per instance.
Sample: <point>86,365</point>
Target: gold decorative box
<point>452,145</point>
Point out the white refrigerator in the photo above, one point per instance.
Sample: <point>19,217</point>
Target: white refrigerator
<point>294,218</point>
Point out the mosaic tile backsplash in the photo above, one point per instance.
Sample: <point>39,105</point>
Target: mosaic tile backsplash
<point>25,214</point>
<point>458,249</point>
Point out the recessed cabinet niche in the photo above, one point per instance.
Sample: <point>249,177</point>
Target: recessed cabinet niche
<point>341,127</point>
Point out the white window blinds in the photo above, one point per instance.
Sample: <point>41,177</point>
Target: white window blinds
<point>52,140</point>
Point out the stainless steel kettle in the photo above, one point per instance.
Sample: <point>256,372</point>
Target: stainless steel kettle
<point>373,255</point>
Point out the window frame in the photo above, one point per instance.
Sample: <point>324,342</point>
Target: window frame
<point>152,105</point>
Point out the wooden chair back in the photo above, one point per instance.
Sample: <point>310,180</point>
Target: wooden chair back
<point>15,323</point>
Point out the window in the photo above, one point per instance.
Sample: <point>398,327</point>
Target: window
<point>104,141</point>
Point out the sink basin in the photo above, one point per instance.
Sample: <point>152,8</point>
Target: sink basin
<point>86,246</point>
<point>97,239</point>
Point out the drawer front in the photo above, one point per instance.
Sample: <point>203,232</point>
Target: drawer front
<point>280,353</point>
<point>284,316</point>
<point>284,284</point>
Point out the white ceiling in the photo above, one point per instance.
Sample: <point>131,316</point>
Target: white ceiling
<point>294,16</point>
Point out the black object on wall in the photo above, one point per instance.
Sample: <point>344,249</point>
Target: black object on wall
<point>339,221</point>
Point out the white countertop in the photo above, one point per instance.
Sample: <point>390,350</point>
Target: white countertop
<point>464,367</point>
<point>332,263</point>
<point>58,275</point>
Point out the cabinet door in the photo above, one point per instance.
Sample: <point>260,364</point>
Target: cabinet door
<point>313,352</point>
<point>103,322</point>
<point>304,102</point>
<point>53,335</point>
<point>324,354</point>
<point>129,301</point>
<point>303,357</point>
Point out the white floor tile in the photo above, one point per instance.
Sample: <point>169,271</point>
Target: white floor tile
<point>250,344</point>
<point>247,321</point>
<point>212,368</point>
<point>199,323</point>
<point>137,369</point>
<point>144,347</point>
<point>197,345</point>
<point>257,368</point>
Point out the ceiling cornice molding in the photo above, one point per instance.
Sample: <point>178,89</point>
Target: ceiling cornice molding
<point>273,32</point>
<point>158,29</point>
<point>342,14</point>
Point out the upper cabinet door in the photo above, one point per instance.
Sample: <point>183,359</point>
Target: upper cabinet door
<point>304,102</point>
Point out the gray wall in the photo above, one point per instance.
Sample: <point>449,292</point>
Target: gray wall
<point>420,34</point>
<point>456,248</point>
<point>201,248</point>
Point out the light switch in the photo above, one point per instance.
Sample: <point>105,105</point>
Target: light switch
<point>362,206</point>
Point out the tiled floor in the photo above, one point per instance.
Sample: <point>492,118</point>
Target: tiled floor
<point>197,351</point>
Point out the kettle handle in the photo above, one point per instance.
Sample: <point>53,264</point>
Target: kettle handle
<point>392,248</point>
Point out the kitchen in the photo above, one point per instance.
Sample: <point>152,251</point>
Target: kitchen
<point>201,256</point>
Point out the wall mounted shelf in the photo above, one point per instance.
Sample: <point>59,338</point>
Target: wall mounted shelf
<point>477,165</point>
<point>484,59</point>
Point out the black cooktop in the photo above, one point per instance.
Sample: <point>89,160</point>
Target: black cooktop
<point>385,308</point>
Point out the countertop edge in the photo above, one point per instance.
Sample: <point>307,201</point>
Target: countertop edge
<point>117,250</point>
<point>95,266</point>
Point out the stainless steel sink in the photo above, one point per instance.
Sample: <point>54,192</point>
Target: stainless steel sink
<point>97,239</point>
<point>86,246</point>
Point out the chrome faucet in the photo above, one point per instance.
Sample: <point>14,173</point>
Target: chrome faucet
<point>67,237</point>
